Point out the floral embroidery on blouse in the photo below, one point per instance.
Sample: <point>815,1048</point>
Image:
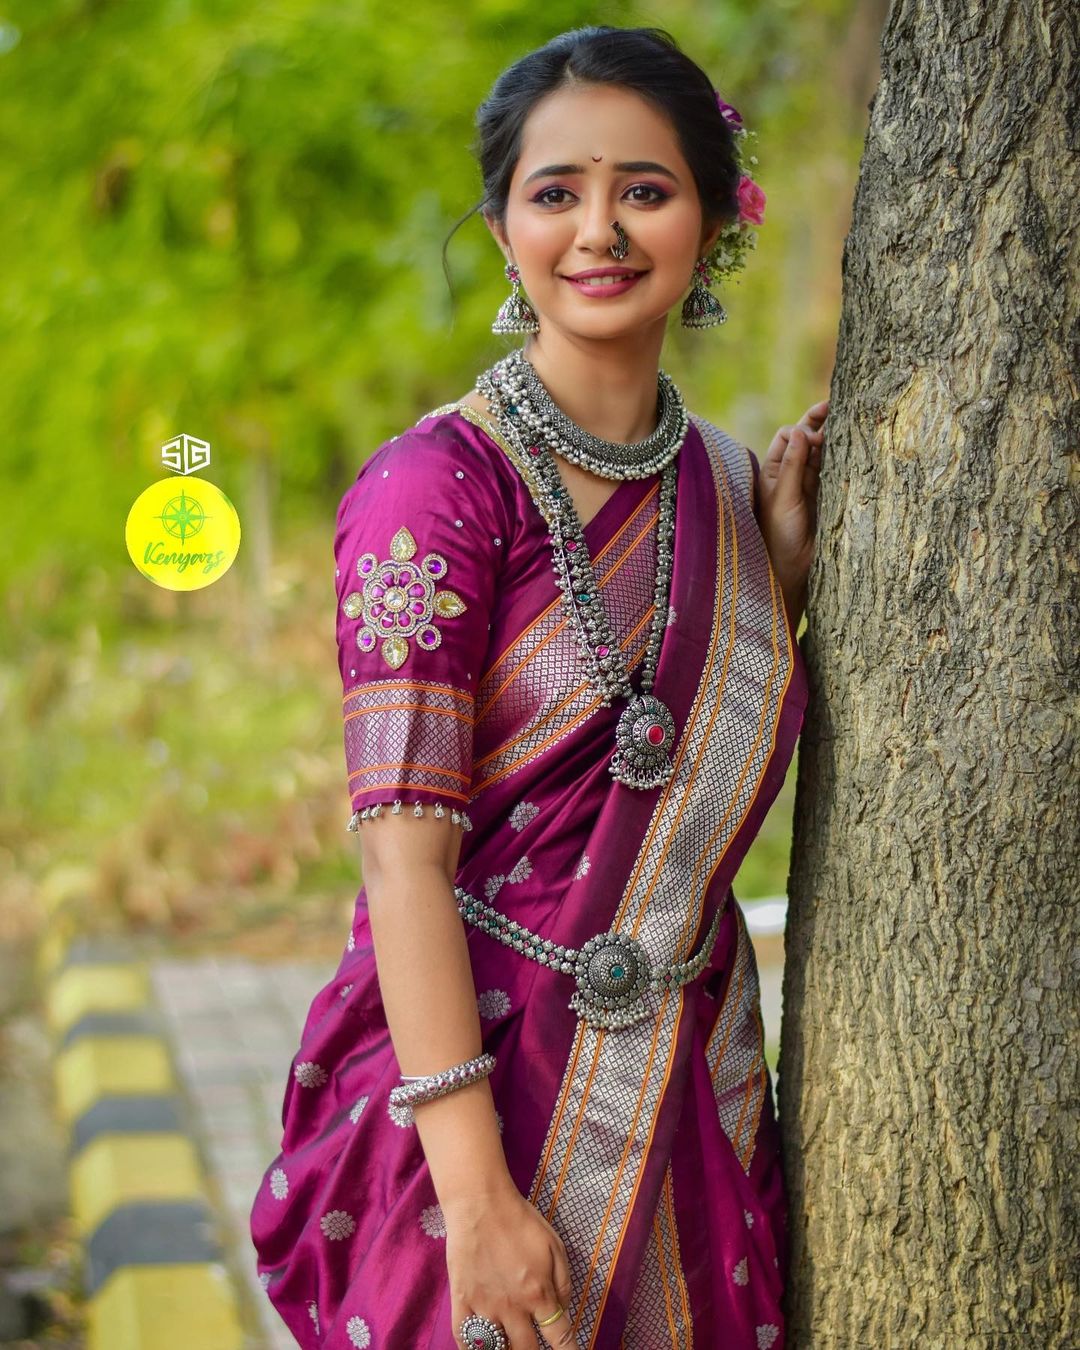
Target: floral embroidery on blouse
<point>399,600</point>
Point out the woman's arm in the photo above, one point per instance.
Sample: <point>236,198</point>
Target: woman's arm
<point>429,995</point>
<point>502,1255</point>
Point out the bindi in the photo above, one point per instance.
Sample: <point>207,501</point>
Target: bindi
<point>597,158</point>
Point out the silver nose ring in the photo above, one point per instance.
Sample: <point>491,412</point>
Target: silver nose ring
<point>622,245</point>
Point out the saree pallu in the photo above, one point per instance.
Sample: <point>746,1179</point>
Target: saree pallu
<point>652,1149</point>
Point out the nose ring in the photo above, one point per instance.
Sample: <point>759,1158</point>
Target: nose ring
<point>622,247</point>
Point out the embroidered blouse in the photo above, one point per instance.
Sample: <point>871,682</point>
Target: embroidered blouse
<point>419,542</point>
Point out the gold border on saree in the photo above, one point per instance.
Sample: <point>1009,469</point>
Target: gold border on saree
<point>613,971</point>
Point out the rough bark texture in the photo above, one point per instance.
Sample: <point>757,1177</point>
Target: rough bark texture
<point>928,1067</point>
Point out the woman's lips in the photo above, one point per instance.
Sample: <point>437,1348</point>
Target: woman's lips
<point>604,287</point>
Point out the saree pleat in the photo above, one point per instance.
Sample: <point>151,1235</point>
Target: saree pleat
<point>652,1148</point>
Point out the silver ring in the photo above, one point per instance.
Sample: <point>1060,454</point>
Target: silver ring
<point>481,1333</point>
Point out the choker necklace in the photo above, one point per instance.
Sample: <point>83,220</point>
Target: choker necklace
<point>548,423</point>
<point>645,732</point>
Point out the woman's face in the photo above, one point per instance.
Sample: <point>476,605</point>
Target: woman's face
<point>591,154</point>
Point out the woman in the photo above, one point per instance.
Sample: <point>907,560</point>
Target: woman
<point>588,642</point>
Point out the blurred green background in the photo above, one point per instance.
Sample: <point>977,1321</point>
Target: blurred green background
<point>226,219</point>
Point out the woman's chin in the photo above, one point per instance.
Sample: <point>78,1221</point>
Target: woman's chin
<point>605,327</point>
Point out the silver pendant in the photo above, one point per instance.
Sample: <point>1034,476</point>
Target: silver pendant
<point>613,973</point>
<point>644,737</point>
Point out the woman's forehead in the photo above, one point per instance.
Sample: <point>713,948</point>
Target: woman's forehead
<point>577,122</point>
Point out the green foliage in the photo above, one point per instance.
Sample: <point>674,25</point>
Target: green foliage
<point>226,218</point>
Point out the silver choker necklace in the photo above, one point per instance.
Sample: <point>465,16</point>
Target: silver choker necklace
<point>546,423</point>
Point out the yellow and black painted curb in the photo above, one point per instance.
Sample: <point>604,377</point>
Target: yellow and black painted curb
<point>155,1272</point>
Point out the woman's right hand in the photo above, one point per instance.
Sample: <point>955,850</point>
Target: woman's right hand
<point>506,1262</point>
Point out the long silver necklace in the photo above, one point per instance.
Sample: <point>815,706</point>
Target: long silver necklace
<point>645,733</point>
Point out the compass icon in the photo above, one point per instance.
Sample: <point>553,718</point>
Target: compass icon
<point>182,536</point>
<point>183,517</point>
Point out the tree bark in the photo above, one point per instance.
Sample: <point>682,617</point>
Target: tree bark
<point>928,1065</point>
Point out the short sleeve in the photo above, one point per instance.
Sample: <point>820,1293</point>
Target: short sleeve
<point>418,542</point>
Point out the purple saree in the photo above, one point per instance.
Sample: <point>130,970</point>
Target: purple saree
<point>652,1149</point>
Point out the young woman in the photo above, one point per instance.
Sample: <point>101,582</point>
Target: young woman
<point>566,619</point>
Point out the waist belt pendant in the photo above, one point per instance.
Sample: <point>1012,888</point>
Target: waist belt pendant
<point>613,970</point>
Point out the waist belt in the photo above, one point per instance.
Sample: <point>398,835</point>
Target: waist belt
<point>612,969</point>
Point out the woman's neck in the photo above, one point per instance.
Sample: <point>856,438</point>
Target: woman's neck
<point>608,388</point>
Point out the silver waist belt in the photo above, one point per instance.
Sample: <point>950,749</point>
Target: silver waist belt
<point>612,969</point>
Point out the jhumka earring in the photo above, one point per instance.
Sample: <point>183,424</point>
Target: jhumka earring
<point>701,309</point>
<point>515,314</point>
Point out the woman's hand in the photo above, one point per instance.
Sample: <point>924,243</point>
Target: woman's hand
<point>787,507</point>
<point>506,1262</point>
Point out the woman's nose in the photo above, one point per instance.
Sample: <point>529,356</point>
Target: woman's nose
<point>595,233</point>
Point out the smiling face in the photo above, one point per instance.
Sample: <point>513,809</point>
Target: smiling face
<point>562,200</point>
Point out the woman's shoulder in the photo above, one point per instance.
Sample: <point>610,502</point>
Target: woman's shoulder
<point>443,459</point>
<point>458,428</point>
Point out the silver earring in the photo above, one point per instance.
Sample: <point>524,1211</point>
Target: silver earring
<point>701,309</point>
<point>515,314</point>
<point>622,245</point>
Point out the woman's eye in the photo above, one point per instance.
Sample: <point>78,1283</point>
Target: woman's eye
<point>558,196</point>
<point>657,196</point>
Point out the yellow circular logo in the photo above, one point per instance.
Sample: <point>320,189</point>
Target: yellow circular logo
<point>182,533</point>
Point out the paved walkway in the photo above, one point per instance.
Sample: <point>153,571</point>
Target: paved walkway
<point>234,1026</point>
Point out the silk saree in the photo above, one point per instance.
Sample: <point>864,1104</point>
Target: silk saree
<point>652,1148</point>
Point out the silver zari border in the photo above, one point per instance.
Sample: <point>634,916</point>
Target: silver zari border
<point>613,1085</point>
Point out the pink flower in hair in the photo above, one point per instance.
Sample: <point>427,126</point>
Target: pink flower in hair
<point>751,202</point>
<point>728,113</point>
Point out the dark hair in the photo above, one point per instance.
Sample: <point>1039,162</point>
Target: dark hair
<point>645,60</point>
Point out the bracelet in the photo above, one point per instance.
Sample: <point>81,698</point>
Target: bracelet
<point>431,1085</point>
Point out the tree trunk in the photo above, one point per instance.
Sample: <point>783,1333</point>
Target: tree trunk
<point>928,1065</point>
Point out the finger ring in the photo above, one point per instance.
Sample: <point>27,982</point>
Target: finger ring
<point>481,1333</point>
<point>553,1318</point>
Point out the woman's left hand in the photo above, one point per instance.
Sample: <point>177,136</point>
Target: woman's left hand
<point>787,489</point>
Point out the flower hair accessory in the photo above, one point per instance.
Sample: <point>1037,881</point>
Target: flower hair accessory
<point>738,237</point>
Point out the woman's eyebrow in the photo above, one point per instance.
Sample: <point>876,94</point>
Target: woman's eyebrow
<point>628,166</point>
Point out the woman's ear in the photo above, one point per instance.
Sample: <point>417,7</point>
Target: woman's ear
<point>710,238</point>
<point>498,234</point>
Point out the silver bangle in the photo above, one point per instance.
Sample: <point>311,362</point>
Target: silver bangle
<point>429,1086</point>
